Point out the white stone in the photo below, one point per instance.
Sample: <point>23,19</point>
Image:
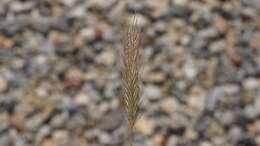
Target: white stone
<point>169,105</point>
<point>180,2</point>
<point>68,2</point>
<point>172,141</point>
<point>190,70</point>
<point>82,99</point>
<point>61,137</point>
<point>258,140</point>
<point>88,33</point>
<point>106,57</point>
<point>145,126</point>
<point>152,92</point>
<point>78,12</point>
<point>196,102</point>
<point>251,83</point>
<point>205,143</point>
<point>141,21</point>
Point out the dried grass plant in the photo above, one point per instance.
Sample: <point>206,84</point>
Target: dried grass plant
<point>130,76</point>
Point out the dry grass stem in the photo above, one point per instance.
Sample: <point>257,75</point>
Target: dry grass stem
<point>130,75</point>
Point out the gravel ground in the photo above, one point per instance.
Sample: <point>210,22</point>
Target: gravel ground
<point>60,82</point>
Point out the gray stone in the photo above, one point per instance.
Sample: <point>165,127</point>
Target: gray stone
<point>250,112</point>
<point>43,132</point>
<point>251,83</point>
<point>69,3</point>
<point>152,92</point>
<point>77,121</point>
<point>18,7</point>
<point>59,120</point>
<point>61,138</point>
<point>217,46</point>
<point>206,143</point>
<point>77,12</point>
<point>38,23</point>
<point>105,138</point>
<point>258,140</point>
<point>235,134</point>
<point>33,123</point>
<point>110,35</point>
<point>179,11</point>
<point>159,8</point>
<point>253,3</point>
<point>218,93</point>
<point>5,140</point>
<point>257,105</point>
<point>173,140</point>
<point>227,118</point>
<point>3,83</point>
<point>66,104</point>
<point>112,120</point>
<point>21,142</point>
<point>3,127</point>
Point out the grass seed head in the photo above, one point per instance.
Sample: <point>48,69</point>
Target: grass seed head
<point>130,73</point>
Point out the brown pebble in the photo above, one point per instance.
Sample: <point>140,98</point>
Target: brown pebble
<point>73,77</point>
<point>255,42</point>
<point>221,24</point>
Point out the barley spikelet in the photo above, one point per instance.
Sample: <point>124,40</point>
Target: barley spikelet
<point>130,75</point>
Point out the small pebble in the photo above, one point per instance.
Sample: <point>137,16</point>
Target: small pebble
<point>73,77</point>
<point>145,126</point>
<point>152,92</point>
<point>107,58</point>
<point>3,84</point>
<point>61,138</point>
<point>169,105</point>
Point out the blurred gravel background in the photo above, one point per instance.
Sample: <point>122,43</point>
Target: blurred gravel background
<point>60,83</point>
